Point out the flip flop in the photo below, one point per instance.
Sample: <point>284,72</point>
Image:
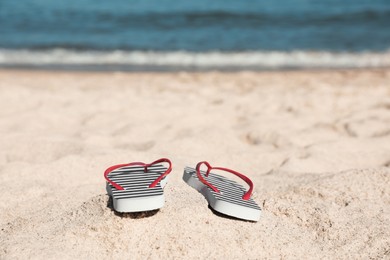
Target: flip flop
<point>137,186</point>
<point>224,195</point>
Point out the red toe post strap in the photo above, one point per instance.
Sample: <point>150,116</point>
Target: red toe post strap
<point>145,165</point>
<point>246,196</point>
<point>168,171</point>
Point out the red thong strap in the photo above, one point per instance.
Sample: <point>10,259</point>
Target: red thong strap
<point>153,184</point>
<point>246,196</point>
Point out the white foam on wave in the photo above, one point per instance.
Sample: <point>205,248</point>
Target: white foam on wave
<point>255,59</point>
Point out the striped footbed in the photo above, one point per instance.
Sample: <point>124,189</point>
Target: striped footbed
<point>136,182</point>
<point>230,191</point>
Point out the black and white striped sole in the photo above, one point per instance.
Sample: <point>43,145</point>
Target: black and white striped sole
<point>229,200</point>
<point>137,196</point>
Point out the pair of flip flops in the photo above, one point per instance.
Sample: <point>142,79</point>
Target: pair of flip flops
<point>138,186</point>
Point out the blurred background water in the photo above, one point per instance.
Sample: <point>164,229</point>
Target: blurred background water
<point>130,34</point>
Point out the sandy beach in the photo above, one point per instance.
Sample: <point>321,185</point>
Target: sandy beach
<point>316,144</point>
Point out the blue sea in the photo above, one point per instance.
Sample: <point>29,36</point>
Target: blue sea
<point>181,34</point>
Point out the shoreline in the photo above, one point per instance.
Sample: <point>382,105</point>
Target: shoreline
<point>175,70</point>
<point>121,60</point>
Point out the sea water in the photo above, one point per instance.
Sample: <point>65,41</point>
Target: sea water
<point>175,34</point>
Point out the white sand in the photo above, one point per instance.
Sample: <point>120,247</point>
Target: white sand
<point>316,145</point>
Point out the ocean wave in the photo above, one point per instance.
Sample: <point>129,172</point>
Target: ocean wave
<point>194,60</point>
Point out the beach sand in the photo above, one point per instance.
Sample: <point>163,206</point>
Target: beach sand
<point>315,143</point>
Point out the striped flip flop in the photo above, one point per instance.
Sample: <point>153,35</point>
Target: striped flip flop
<point>137,186</point>
<point>224,195</point>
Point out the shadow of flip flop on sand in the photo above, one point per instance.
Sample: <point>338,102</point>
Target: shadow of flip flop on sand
<point>227,216</point>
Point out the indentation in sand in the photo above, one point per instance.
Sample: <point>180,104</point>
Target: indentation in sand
<point>268,138</point>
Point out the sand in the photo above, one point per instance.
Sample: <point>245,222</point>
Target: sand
<point>315,143</point>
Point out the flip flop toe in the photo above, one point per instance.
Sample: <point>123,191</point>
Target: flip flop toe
<point>137,186</point>
<point>223,195</point>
